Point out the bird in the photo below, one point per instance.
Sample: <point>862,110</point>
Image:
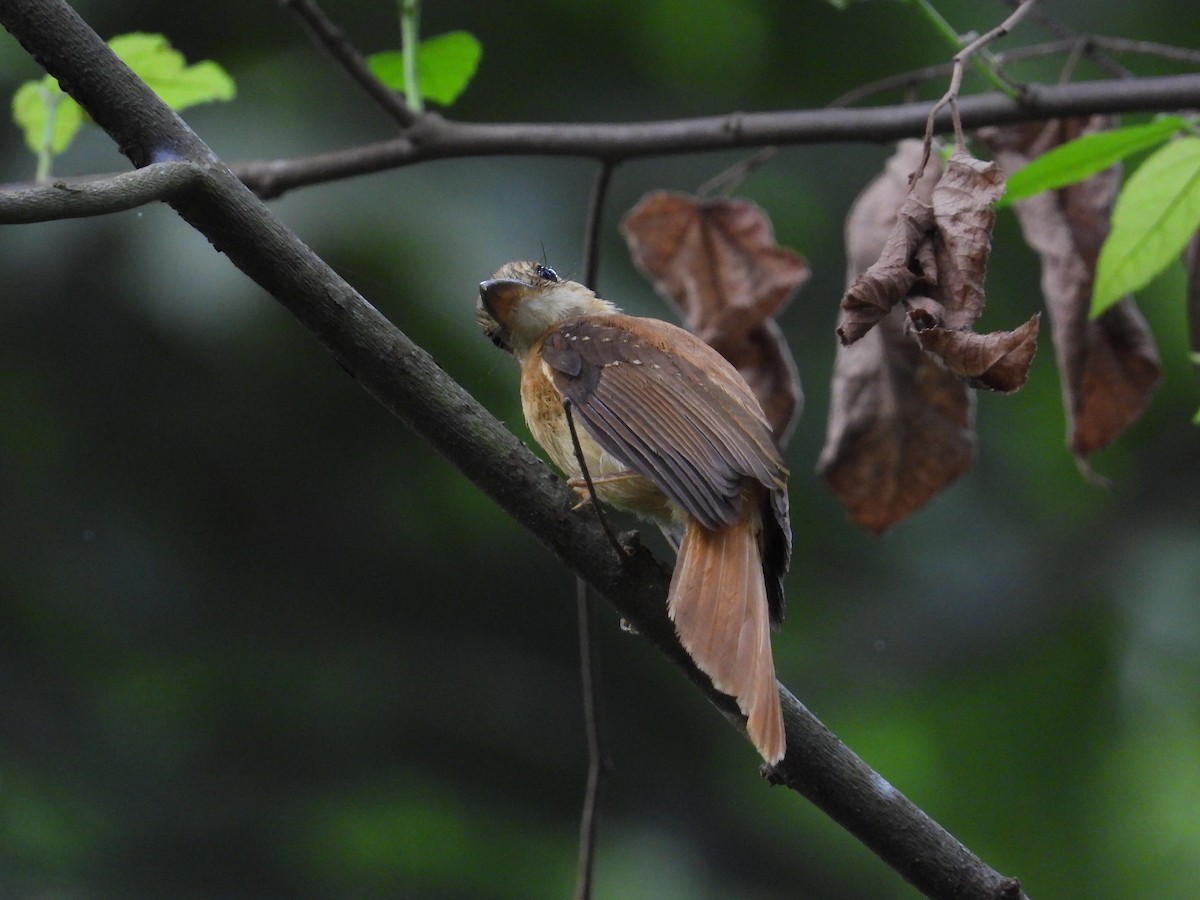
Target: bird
<point>669,431</point>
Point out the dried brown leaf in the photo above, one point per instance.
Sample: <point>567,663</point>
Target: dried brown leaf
<point>1109,366</point>
<point>998,361</point>
<point>900,426</point>
<point>888,281</point>
<point>717,261</point>
<point>964,216</point>
<point>766,363</point>
<point>873,214</point>
<point>885,241</point>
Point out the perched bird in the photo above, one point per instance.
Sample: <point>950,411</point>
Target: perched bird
<point>670,431</point>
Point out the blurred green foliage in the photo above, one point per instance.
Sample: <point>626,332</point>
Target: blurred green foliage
<point>51,119</point>
<point>445,65</point>
<point>257,640</point>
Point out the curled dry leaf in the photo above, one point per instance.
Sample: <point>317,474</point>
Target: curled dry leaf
<point>886,241</point>
<point>872,294</point>
<point>1109,366</point>
<point>937,254</point>
<point>900,425</point>
<point>718,262</point>
<point>998,361</point>
<point>964,216</point>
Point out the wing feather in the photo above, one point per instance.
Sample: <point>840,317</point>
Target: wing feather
<point>668,406</point>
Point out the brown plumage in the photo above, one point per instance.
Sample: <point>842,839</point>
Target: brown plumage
<point>670,431</point>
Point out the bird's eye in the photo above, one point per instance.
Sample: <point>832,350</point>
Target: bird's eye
<point>546,273</point>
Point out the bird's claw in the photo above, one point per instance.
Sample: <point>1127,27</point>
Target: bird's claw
<point>580,487</point>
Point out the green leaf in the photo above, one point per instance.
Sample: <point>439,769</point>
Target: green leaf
<point>48,117</point>
<point>388,67</point>
<point>445,66</point>
<point>1085,156</point>
<point>1155,216</point>
<point>163,68</point>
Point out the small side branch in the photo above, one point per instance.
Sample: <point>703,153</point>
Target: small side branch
<point>595,222</point>
<point>333,40</point>
<point>956,75</point>
<point>599,763</point>
<point>77,198</point>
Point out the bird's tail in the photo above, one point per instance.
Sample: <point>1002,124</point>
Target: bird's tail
<point>718,602</point>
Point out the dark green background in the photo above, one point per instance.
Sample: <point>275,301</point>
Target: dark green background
<point>257,640</point>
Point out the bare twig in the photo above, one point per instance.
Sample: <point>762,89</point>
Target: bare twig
<point>599,763</point>
<point>1144,48</point>
<point>594,224</point>
<point>956,76</point>
<point>333,40</point>
<point>1059,30</point>
<point>728,180</point>
<point>79,197</point>
<point>1086,44</point>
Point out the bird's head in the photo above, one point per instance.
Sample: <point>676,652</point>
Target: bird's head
<point>523,299</point>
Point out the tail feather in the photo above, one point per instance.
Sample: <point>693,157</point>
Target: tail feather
<point>718,602</point>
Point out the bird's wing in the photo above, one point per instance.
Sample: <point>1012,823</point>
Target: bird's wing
<point>669,406</point>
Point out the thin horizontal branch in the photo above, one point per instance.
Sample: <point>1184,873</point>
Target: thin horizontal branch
<point>410,384</point>
<point>436,138</point>
<point>433,137</point>
<point>75,198</point>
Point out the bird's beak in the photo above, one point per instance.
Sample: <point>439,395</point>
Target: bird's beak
<point>500,295</point>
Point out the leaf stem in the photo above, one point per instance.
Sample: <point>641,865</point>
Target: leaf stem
<point>45,151</point>
<point>939,23</point>
<point>410,15</point>
<point>982,62</point>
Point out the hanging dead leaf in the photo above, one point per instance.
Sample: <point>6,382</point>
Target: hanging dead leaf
<point>900,426</point>
<point>942,250</point>
<point>718,262</point>
<point>1109,366</point>
<point>998,361</point>
<point>872,294</point>
<point>886,241</point>
<point>964,216</point>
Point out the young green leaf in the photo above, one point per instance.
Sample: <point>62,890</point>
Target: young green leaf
<point>1156,214</point>
<point>163,68</point>
<point>48,117</point>
<point>1085,156</point>
<point>445,66</point>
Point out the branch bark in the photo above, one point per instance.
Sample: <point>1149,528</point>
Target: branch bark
<point>433,137</point>
<point>80,197</point>
<point>408,382</point>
